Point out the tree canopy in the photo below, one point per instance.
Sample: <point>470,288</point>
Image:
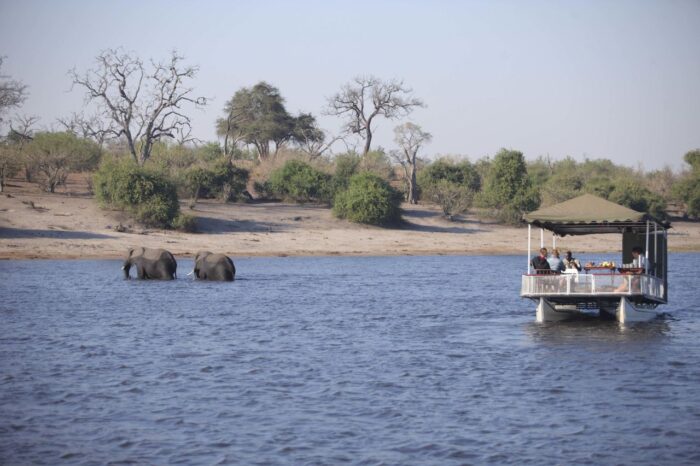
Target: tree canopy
<point>257,116</point>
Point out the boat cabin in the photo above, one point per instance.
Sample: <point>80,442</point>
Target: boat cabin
<point>623,290</point>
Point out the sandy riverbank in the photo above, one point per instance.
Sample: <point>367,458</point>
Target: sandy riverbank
<point>70,224</point>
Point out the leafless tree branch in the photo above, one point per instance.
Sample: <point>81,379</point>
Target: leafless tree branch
<point>144,104</point>
<point>367,97</point>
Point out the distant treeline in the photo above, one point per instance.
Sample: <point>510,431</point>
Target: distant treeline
<point>138,143</point>
<point>365,188</point>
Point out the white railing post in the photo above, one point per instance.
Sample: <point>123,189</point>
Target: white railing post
<point>529,248</point>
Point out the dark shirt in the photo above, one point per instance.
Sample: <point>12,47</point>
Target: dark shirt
<point>540,263</point>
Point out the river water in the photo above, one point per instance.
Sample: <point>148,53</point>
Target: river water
<point>385,360</point>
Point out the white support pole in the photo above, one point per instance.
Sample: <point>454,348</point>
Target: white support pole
<point>656,246</point>
<point>554,241</point>
<point>646,252</point>
<point>529,246</point>
<point>541,238</point>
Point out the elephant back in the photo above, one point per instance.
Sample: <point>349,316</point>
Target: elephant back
<point>157,254</point>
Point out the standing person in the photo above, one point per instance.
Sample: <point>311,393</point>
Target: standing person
<point>570,262</point>
<point>555,263</point>
<point>539,263</point>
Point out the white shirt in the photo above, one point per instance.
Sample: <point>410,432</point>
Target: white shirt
<point>640,262</point>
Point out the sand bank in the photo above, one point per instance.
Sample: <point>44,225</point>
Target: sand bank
<point>70,224</point>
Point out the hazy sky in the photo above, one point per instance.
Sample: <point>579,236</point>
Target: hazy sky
<point>597,79</point>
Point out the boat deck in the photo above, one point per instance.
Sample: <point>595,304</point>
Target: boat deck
<point>589,288</point>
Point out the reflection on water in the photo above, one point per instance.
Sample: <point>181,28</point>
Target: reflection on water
<point>593,329</point>
<point>403,360</point>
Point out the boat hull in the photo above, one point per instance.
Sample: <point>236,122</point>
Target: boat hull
<point>624,311</point>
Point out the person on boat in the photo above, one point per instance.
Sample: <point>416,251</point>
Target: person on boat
<point>638,259</point>
<point>539,263</point>
<point>571,263</point>
<point>555,263</point>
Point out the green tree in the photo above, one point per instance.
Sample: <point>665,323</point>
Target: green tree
<point>687,189</point>
<point>692,158</point>
<point>258,116</point>
<point>632,194</point>
<point>508,187</point>
<point>55,155</point>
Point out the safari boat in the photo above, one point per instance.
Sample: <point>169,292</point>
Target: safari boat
<point>625,293</point>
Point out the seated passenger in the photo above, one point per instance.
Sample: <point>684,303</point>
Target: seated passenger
<point>639,259</point>
<point>555,263</point>
<point>539,263</point>
<point>571,263</point>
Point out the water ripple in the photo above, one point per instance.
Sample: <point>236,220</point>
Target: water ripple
<point>336,361</point>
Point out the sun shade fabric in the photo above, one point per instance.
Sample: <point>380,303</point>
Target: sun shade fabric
<point>587,214</point>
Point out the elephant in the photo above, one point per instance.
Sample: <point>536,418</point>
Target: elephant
<point>208,266</point>
<point>157,264</point>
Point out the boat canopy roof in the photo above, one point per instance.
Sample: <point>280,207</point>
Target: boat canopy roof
<point>589,214</point>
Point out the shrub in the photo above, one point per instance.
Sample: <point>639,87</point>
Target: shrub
<point>54,155</point>
<point>377,162</point>
<point>462,173</point>
<point>146,194</point>
<point>346,165</point>
<point>186,223</point>
<point>453,198</point>
<point>368,199</point>
<point>221,179</point>
<point>300,182</point>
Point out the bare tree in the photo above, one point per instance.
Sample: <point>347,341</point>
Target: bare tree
<point>143,103</point>
<point>367,97</point>
<point>410,137</point>
<point>316,144</point>
<point>12,93</point>
<point>22,128</point>
<point>92,127</point>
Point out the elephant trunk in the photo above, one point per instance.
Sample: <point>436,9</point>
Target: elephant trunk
<point>126,268</point>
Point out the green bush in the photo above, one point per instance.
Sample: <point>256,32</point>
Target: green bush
<point>186,223</point>
<point>462,173</point>
<point>300,182</point>
<point>346,165</point>
<point>453,198</point>
<point>369,199</point>
<point>220,179</point>
<point>146,194</point>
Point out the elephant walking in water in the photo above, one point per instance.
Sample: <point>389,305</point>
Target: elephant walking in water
<point>208,266</point>
<point>156,264</point>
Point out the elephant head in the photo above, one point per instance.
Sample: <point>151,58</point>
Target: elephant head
<point>208,266</point>
<point>150,263</point>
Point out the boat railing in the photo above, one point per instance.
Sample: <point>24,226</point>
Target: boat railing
<point>592,285</point>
